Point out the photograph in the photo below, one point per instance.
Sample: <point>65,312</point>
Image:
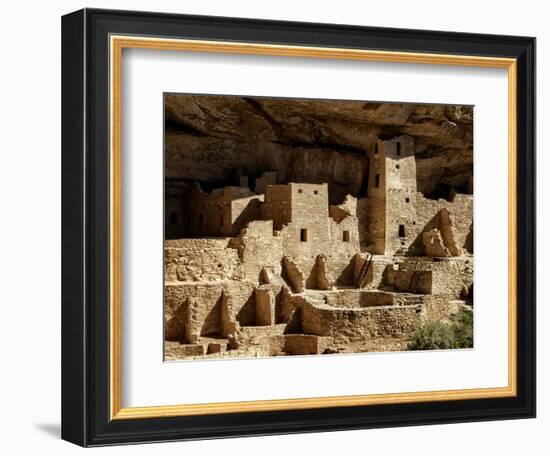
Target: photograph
<point>272,225</point>
<point>316,226</point>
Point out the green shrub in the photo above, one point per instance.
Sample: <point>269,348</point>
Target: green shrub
<point>436,335</point>
<point>463,327</point>
<point>433,335</point>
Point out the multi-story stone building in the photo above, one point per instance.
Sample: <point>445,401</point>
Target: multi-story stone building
<point>280,270</point>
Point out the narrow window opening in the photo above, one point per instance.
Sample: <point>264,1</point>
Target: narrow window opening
<point>173,218</point>
<point>397,166</point>
<point>303,235</point>
<point>398,148</point>
<point>407,200</point>
<point>300,190</point>
<point>401,230</point>
<point>315,192</point>
<point>345,236</point>
<point>377,180</point>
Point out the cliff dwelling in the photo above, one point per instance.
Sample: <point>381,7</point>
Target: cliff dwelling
<point>309,227</point>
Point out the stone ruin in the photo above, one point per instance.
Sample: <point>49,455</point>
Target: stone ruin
<point>279,271</point>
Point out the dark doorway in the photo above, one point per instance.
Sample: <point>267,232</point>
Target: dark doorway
<point>402,231</point>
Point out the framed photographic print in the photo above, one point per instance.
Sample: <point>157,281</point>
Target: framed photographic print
<point>276,227</point>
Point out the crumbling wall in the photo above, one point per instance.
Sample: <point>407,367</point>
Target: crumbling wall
<point>461,211</point>
<point>200,309</point>
<point>287,305</point>
<point>448,232</point>
<point>320,277</point>
<point>451,276</point>
<point>293,275</point>
<point>244,210</point>
<point>229,324</point>
<point>347,208</point>
<point>258,247</point>
<point>223,212</point>
<point>440,239</point>
<point>199,260</point>
<point>265,306</point>
<point>434,244</point>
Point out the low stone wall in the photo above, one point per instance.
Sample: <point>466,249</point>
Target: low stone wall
<point>210,313</point>
<point>306,344</point>
<point>199,260</point>
<point>359,325</point>
<point>407,277</point>
<point>451,276</point>
<point>358,298</point>
<point>440,308</point>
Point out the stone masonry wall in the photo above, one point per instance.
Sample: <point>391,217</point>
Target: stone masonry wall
<point>359,325</point>
<point>277,205</point>
<point>401,210</point>
<point>258,247</point>
<point>199,260</point>
<point>208,314</point>
<point>311,232</point>
<point>450,277</point>
<point>358,298</point>
<point>461,210</point>
<point>223,212</point>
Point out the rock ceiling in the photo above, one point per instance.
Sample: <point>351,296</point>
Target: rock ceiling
<point>209,137</point>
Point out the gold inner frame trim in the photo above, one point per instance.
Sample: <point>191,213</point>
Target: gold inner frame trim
<point>117,44</point>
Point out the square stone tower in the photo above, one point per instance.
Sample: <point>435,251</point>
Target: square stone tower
<point>392,195</point>
<point>301,204</point>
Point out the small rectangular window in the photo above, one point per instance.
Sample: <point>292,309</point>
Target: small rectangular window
<point>300,190</point>
<point>398,148</point>
<point>397,166</point>
<point>303,235</point>
<point>315,192</point>
<point>407,200</point>
<point>377,180</point>
<point>345,236</point>
<point>401,230</point>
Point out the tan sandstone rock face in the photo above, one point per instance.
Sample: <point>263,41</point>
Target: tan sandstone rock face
<point>307,227</point>
<point>312,140</point>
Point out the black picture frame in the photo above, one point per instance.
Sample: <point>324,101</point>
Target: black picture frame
<point>85,228</point>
